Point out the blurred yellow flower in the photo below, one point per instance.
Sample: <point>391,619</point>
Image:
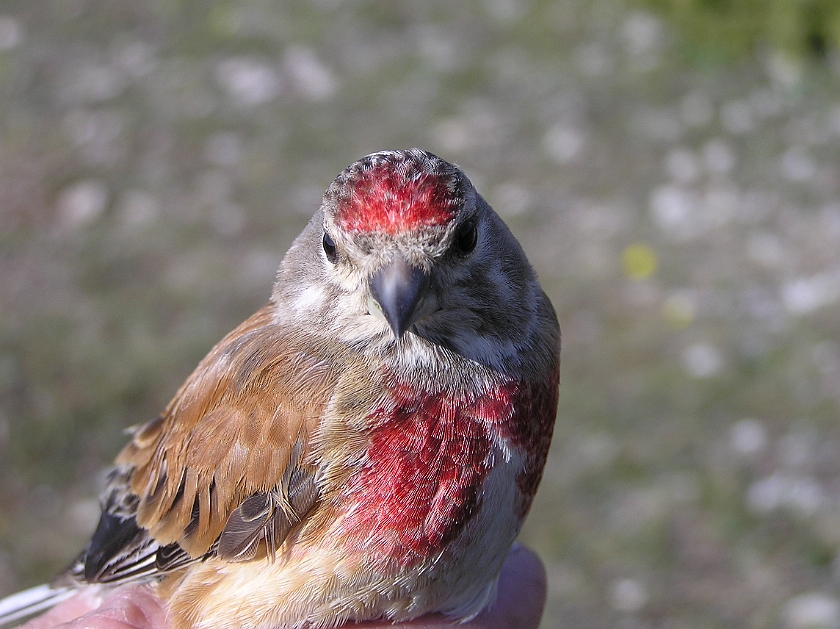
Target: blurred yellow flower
<point>639,261</point>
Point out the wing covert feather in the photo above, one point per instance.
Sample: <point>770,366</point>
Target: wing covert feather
<point>228,433</point>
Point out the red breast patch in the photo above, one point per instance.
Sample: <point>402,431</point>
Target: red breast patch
<point>429,457</point>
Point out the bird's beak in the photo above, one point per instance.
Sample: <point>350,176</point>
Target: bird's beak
<point>398,290</point>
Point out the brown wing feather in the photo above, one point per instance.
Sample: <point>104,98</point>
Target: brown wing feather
<point>229,433</point>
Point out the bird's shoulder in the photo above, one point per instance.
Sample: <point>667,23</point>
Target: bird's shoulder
<point>227,462</point>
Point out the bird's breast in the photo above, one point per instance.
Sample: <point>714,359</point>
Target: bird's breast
<point>426,467</point>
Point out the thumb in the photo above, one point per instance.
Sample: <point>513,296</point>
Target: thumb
<point>522,592</point>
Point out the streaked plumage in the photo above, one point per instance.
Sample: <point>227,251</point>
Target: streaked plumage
<point>368,443</point>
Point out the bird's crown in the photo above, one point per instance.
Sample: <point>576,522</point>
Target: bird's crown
<point>396,191</point>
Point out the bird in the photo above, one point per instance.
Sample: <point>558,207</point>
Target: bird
<point>366,445</point>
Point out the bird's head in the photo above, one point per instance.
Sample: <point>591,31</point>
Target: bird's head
<point>403,245</point>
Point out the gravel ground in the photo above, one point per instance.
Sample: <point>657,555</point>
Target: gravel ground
<point>157,159</point>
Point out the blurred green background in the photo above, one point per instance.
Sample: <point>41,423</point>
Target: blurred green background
<point>671,168</point>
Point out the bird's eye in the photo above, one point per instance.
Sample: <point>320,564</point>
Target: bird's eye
<point>329,248</point>
<point>466,238</point>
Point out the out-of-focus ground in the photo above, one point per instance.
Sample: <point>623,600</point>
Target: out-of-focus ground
<point>157,158</point>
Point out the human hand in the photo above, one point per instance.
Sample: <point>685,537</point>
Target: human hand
<point>520,601</point>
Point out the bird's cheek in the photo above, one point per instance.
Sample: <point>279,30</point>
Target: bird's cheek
<point>428,305</point>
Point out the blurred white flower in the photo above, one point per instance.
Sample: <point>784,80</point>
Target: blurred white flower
<point>249,81</point>
<point>748,437</point>
<point>674,210</point>
<point>798,165</point>
<point>811,610</point>
<point>82,203</point>
<point>511,199</point>
<point>642,33</point>
<point>628,595</point>
<point>702,360</point>
<point>11,32</point>
<point>806,294</point>
<point>564,142</point>
<point>800,494</point>
<point>310,77</point>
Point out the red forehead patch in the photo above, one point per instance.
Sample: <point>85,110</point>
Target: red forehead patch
<point>397,192</point>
